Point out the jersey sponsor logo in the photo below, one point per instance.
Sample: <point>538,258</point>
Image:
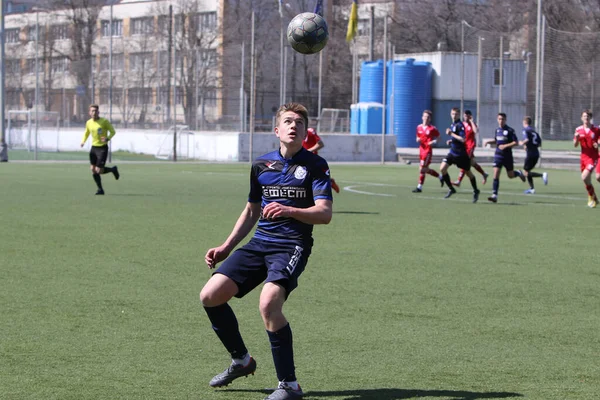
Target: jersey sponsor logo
<point>326,172</point>
<point>300,173</point>
<point>271,164</point>
<point>99,131</point>
<point>288,192</point>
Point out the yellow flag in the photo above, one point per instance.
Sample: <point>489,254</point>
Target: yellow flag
<point>352,22</point>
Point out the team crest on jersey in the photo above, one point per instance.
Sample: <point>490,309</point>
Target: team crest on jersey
<point>505,133</point>
<point>300,173</point>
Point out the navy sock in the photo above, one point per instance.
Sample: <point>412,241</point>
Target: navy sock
<point>495,186</point>
<point>530,180</point>
<point>107,170</point>
<point>473,183</point>
<point>447,181</point>
<point>225,325</point>
<point>98,181</point>
<point>283,353</point>
<point>535,174</point>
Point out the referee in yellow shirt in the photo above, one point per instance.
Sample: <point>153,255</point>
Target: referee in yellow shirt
<point>102,131</point>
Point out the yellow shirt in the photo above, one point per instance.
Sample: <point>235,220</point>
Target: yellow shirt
<point>99,129</point>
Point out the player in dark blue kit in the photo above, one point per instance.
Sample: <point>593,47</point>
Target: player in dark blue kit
<point>290,191</point>
<point>532,142</point>
<point>457,156</point>
<point>505,140</point>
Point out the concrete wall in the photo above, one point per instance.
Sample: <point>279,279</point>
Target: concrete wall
<point>206,146</point>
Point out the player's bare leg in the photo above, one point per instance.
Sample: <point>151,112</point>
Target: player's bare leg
<point>586,177</point>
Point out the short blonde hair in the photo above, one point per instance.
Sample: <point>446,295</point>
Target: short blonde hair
<point>294,107</point>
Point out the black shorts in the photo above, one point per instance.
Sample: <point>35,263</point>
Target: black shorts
<point>462,161</point>
<point>530,162</point>
<point>98,156</point>
<point>260,260</point>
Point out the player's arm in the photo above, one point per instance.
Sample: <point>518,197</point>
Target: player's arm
<point>489,142</point>
<point>317,146</point>
<point>320,213</point>
<point>86,134</point>
<point>575,139</point>
<point>243,226</point>
<point>111,131</point>
<point>435,135</point>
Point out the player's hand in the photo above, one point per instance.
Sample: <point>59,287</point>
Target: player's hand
<point>81,145</point>
<point>595,145</point>
<point>215,255</point>
<point>448,142</point>
<point>275,210</point>
<point>103,139</point>
<point>418,140</point>
<point>448,131</point>
<point>501,146</point>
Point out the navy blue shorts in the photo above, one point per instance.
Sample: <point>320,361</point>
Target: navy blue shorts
<point>262,261</point>
<point>530,161</point>
<point>461,161</point>
<point>506,161</point>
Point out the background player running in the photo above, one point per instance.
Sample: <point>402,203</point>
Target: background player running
<point>471,130</point>
<point>457,155</point>
<point>587,137</point>
<point>427,136</point>
<point>314,143</point>
<point>505,139</point>
<point>532,142</point>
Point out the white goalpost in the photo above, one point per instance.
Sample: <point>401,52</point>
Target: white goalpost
<point>25,133</point>
<point>334,120</point>
<point>165,149</point>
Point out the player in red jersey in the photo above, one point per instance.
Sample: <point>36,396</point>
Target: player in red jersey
<point>313,143</point>
<point>587,137</point>
<point>427,135</point>
<point>470,144</point>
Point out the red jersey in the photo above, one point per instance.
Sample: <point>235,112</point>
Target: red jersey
<point>425,134</point>
<point>311,139</point>
<point>469,137</point>
<point>587,138</point>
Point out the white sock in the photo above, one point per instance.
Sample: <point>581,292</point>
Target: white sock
<point>243,361</point>
<point>293,385</point>
<point>419,186</point>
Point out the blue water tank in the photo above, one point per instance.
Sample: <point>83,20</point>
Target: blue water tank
<point>371,115</point>
<point>371,82</point>
<point>408,94</point>
<point>354,119</point>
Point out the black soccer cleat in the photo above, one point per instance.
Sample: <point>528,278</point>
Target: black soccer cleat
<point>233,372</point>
<point>450,193</point>
<point>476,195</point>
<point>116,172</point>
<point>416,190</point>
<point>100,192</point>
<point>493,199</point>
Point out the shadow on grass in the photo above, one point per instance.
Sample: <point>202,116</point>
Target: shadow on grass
<point>396,394</point>
<point>356,212</point>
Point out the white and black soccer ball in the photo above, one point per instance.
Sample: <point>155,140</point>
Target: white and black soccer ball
<point>307,33</point>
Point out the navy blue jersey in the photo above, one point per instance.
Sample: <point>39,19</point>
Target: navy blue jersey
<point>457,147</point>
<point>505,135</point>
<point>295,182</point>
<point>534,141</point>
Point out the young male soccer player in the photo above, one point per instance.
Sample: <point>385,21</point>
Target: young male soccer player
<point>102,131</point>
<point>290,191</point>
<point>587,137</point>
<point>470,144</point>
<point>457,155</point>
<point>427,136</point>
<point>313,143</point>
<point>531,141</point>
<point>505,140</point>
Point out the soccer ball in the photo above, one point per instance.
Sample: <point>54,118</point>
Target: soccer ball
<point>307,33</point>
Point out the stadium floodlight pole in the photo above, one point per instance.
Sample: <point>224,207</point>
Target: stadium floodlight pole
<point>285,62</point>
<point>281,62</point>
<point>462,66</point>
<point>110,75</point>
<point>479,67</point>
<point>320,90</point>
<point>542,54</point>
<point>501,74</point>
<point>242,102</point>
<point>383,100</point>
<point>196,90</point>
<point>372,34</point>
<point>538,64</point>
<point>37,81</point>
<point>252,88</point>
<point>3,146</point>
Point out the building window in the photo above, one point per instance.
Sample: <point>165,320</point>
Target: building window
<point>207,58</point>
<point>210,97</point>
<point>13,98</point>
<point>163,24</point>
<point>13,67</point>
<point>31,33</point>
<point>142,26</point>
<point>59,65</point>
<point>30,66</point>
<point>497,77</point>
<point>12,35</point>
<point>139,96</point>
<point>59,32</point>
<point>117,96</point>
<point>117,62</point>
<point>205,21</point>
<point>117,28</point>
<point>138,61</point>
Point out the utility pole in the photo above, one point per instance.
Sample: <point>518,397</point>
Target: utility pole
<point>3,147</point>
